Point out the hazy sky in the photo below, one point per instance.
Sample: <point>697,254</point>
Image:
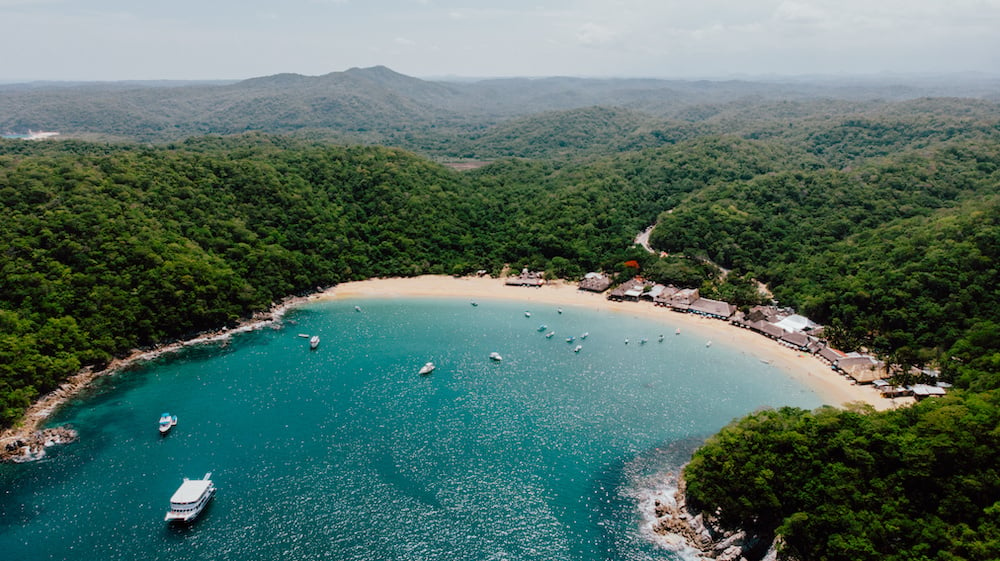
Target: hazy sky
<point>226,39</point>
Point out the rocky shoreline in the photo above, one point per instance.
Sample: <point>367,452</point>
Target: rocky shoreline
<point>700,531</point>
<point>26,441</point>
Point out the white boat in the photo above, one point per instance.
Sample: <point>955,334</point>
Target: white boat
<point>643,341</point>
<point>357,308</point>
<point>427,368</point>
<point>542,327</point>
<point>560,310</point>
<point>527,314</point>
<point>167,422</point>
<point>570,339</point>
<point>314,342</point>
<point>584,336</point>
<point>577,349</point>
<point>495,356</point>
<point>190,499</point>
<point>550,334</point>
<point>661,338</point>
<point>678,332</point>
<point>708,344</point>
<point>474,303</point>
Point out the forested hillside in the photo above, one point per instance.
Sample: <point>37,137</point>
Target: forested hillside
<point>879,218</point>
<point>517,117</point>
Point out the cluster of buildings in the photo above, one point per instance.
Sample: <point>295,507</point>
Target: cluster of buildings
<point>526,278</point>
<point>779,324</point>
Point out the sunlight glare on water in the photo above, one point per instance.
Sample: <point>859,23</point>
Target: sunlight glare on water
<point>347,453</point>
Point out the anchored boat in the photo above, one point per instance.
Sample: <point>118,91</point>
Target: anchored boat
<point>167,422</point>
<point>190,499</point>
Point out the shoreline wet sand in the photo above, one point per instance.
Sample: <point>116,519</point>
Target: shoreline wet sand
<point>25,441</point>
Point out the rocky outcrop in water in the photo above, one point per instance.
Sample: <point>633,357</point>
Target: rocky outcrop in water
<point>32,446</point>
<point>702,532</point>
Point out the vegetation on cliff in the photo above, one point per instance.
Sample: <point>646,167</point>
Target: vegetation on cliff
<point>918,482</point>
<point>879,219</point>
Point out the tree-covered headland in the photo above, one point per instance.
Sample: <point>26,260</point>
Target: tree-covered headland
<point>881,221</point>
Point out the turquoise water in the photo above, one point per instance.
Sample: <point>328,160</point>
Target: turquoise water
<point>345,452</point>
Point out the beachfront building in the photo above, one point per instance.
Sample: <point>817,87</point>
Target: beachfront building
<point>863,369</point>
<point>829,355</point>
<point>664,297</point>
<point>526,278</point>
<point>923,391</point>
<point>796,323</point>
<point>630,290</point>
<point>681,300</point>
<point>796,340</point>
<point>712,308</point>
<point>595,282</point>
<point>655,292</point>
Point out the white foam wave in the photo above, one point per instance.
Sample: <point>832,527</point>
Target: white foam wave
<point>652,488</point>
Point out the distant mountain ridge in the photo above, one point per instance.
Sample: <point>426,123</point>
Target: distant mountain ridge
<point>377,104</point>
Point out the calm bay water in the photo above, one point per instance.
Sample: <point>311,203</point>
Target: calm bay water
<point>346,453</point>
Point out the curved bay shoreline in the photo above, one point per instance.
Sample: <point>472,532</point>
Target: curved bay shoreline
<point>25,441</point>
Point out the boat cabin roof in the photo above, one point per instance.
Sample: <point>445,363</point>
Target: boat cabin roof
<point>190,491</point>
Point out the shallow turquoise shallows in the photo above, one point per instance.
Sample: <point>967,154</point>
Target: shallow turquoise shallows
<point>346,452</point>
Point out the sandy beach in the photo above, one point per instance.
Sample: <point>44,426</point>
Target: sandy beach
<point>832,388</point>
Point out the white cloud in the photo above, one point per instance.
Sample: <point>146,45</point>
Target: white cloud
<point>594,35</point>
<point>793,11</point>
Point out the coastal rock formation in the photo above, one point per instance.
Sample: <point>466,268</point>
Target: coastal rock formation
<point>32,446</point>
<point>702,532</point>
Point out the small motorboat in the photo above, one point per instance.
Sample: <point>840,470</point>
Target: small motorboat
<point>643,341</point>
<point>678,332</point>
<point>314,342</point>
<point>167,422</point>
<point>357,308</point>
<point>550,334</point>
<point>570,339</point>
<point>495,356</point>
<point>577,348</point>
<point>427,369</point>
<point>542,327</point>
<point>527,314</point>
<point>585,335</point>
<point>559,310</point>
<point>661,338</point>
<point>708,344</point>
<point>474,303</point>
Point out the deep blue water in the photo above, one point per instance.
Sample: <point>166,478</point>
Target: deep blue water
<point>345,452</point>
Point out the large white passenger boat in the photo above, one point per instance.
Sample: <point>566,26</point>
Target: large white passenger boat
<point>190,499</point>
